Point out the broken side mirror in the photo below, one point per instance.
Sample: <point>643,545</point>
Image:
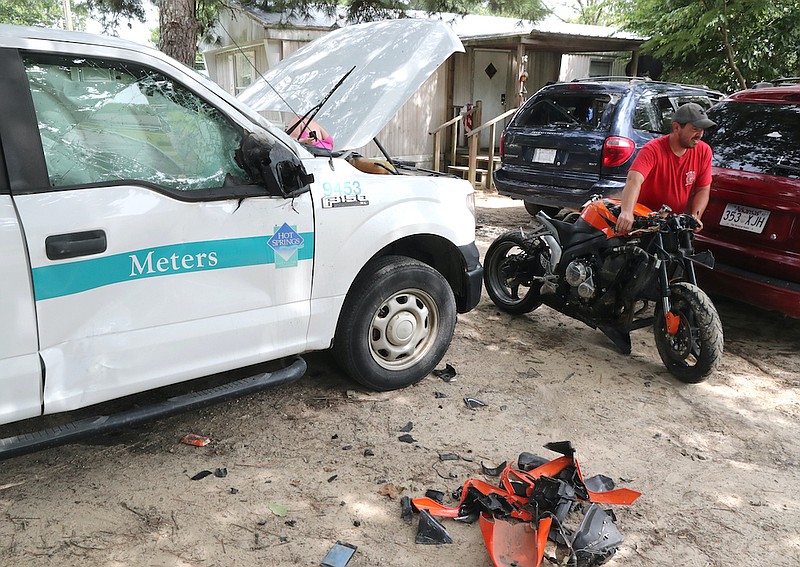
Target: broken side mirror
<point>272,166</point>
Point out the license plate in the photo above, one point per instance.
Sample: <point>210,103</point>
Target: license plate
<point>544,155</point>
<point>744,218</point>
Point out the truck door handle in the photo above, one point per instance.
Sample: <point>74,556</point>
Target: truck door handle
<point>62,246</point>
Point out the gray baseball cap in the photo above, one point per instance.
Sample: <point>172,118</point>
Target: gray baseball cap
<point>693,113</point>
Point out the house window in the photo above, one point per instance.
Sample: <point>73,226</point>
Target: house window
<point>599,68</point>
<point>243,62</point>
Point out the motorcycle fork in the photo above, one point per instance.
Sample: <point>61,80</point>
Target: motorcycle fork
<point>672,321</point>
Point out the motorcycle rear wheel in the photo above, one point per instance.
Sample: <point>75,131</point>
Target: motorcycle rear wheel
<point>507,270</point>
<point>695,351</point>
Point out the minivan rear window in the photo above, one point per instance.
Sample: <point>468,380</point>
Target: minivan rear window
<point>564,109</point>
<point>756,137</point>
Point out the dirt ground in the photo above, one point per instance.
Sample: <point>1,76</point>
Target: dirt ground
<point>319,461</point>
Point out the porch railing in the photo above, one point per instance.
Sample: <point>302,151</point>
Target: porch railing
<point>439,132</point>
<point>474,141</point>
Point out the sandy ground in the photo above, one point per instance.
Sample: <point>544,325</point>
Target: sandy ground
<point>319,461</point>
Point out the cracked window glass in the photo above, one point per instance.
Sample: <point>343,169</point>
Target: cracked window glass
<point>106,121</point>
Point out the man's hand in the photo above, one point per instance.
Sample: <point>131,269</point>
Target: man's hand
<point>699,226</point>
<point>624,222</point>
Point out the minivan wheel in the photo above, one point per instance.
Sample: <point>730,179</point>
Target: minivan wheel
<point>533,208</point>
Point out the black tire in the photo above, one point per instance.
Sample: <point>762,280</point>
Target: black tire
<point>396,324</point>
<point>695,351</point>
<point>507,268</point>
<point>533,209</point>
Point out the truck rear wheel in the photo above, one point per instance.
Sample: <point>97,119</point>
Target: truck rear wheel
<point>396,324</point>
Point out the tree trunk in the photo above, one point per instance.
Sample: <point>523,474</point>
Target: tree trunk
<point>178,30</point>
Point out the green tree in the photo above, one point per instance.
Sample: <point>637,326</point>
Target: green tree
<point>595,12</point>
<point>371,10</point>
<point>727,44</point>
<point>183,22</point>
<point>49,13</point>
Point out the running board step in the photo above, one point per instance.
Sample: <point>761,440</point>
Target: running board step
<point>76,430</point>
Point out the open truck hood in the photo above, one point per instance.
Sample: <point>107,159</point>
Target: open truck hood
<point>392,59</point>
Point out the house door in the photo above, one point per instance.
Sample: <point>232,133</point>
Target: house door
<point>490,81</point>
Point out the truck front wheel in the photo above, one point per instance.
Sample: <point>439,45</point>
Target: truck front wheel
<point>396,324</point>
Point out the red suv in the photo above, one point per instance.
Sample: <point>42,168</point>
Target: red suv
<point>752,223</point>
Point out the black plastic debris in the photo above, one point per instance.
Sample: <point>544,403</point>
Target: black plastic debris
<point>599,483</point>
<point>234,491</point>
<point>346,447</point>
<point>436,495</point>
<point>291,523</point>
<point>220,472</point>
<point>407,427</point>
<point>369,453</point>
<point>448,373</point>
<point>406,511</point>
<point>493,471</point>
<point>430,531</point>
<point>339,555</point>
<point>440,395</point>
<point>406,438</point>
<point>201,475</point>
<point>332,478</point>
<point>597,538</point>
<point>448,457</point>
<point>474,403</point>
<point>529,461</point>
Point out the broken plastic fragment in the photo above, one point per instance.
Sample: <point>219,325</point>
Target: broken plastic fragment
<point>220,472</point>
<point>597,538</point>
<point>430,531</point>
<point>436,495</point>
<point>195,440</point>
<point>440,395</point>
<point>474,403</point>
<point>599,483</point>
<point>407,427</point>
<point>448,373</point>
<point>339,555</point>
<point>493,471</point>
<point>448,457</point>
<point>406,438</point>
<point>369,453</point>
<point>201,475</point>
<point>529,461</point>
<point>406,512</point>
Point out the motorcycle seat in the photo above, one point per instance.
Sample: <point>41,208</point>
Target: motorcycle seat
<point>573,233</point>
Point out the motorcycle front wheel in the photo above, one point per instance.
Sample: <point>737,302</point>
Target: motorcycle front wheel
<point>694,351</point>
<point>508,269</point>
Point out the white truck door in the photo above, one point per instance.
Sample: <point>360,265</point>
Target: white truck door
<point>20,369</point>
<point>153,259</point>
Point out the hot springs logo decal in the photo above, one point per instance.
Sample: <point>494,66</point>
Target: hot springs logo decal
<point>286,243</point>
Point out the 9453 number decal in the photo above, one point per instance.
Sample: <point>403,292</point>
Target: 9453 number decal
<point>344,194</point>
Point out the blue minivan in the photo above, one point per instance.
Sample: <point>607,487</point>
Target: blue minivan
<point>572,140</point>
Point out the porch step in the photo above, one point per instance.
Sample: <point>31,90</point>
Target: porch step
<point>463,171</point>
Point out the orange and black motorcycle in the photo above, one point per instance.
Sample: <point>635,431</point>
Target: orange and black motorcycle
<point>614,282</point>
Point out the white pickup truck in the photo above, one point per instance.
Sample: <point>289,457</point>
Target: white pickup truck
<point>154,230</point>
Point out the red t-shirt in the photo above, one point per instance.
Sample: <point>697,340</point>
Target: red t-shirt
<point>668,179</point>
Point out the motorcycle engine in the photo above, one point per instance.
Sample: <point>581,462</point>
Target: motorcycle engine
<point>579,275</point>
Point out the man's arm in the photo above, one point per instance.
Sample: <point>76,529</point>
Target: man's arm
<point>630,194</point>
<point>698,201</point>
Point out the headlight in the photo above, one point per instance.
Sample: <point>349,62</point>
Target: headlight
<point>471,203</point>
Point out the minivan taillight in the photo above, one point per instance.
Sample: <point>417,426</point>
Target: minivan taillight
<point>617,150</point>
<point>502,139</point>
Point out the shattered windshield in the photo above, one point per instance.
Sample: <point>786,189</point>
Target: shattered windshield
<point>103,121</point>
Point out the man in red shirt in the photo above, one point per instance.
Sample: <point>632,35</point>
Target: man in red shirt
<point>673,170</point>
